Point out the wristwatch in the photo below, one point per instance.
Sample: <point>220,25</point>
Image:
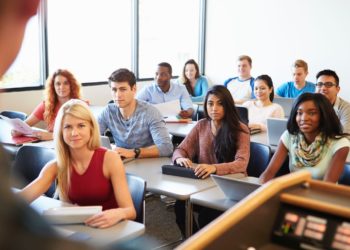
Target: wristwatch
<point>137,152</point>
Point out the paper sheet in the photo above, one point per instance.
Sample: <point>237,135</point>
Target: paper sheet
<point>18,125</point>
<point>168,109</point>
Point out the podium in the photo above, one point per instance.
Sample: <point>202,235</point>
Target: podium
<point>289,212</point>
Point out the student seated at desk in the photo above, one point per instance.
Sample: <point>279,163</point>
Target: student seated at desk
<point>137,127</point>
<point>60,87</point>
<point>163,90</point>
<point>263,107</point>
<point>87,173</point>
<point>196,84</point>
<point>314,141</point>
<point>220,143</point>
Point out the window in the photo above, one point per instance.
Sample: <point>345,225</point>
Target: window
<point>168,32</point>
<point>25,71</point>
<point>89,38</point>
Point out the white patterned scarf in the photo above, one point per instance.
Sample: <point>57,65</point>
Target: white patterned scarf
<point>309,155</point>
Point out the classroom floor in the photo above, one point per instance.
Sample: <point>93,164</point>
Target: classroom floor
<point>162,232</point>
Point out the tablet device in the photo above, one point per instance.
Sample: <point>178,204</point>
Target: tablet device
<point>178,170</point>
<point>70,215</point>
<point>234,189</point>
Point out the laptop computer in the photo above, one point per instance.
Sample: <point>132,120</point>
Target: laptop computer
<point>105,142</point>
<point>286,103</point>
<point>275,128</point>
<point>234,189</point>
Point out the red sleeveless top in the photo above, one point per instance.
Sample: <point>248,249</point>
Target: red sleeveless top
<point>92,188</point>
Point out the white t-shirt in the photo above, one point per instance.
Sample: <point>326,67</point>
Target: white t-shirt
<point>258,115</point>
<point>240,89</point>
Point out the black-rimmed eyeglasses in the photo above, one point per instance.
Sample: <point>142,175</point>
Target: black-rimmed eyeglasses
<point>326,84</point>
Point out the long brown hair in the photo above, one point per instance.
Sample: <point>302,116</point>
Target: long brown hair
<point>184,78</point>
<point>225,142</point>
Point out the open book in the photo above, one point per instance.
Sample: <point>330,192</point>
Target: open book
<point>70,215</point>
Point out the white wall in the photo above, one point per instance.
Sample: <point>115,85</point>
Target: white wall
<point>26,101</point>
<point>275,33</point>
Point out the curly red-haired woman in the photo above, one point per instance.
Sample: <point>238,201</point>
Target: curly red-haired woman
<point>60,88</point>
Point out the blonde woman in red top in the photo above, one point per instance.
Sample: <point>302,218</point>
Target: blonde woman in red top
<point>86,173</point>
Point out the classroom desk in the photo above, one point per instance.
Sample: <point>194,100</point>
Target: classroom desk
<point>214,198</point>
<point>124,230</point>
<point>180,188</point>
<point>180,129</point>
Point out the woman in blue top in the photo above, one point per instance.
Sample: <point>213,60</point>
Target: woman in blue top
<point>314,141</point>
<point>196,85</point>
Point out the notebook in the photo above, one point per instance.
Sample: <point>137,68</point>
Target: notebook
<point>286,103</point>
<point>70,215</point>
<point>275,128</point>
<point>234,189</point>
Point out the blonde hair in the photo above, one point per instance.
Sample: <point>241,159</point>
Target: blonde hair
<point>78,109</point>
<point>245,57</point>
<point>301,64</point>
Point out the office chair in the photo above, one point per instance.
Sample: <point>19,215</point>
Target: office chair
<point>243,114</point>
<point>260,155</point>
<point>345,177</point>
<point>28,163</point>
<point>14,114</point>
<point>137,188</point>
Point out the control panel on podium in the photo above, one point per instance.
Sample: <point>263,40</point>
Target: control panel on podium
<point>289,212</point>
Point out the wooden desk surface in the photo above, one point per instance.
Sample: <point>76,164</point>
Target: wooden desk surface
<point>124,230</point>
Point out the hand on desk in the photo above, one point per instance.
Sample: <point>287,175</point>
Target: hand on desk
<point>185,162</point>
<point>105,219</point>
<point>185,114</point>
<point>40,134</point>
<point>204,170</point>
<point>201,170</point>
<point>125,153</point>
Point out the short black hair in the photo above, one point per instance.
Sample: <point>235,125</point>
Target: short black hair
<point>329,123</point>
<point>122,75</point>
<point>166,65</point>
<point>328,72</point>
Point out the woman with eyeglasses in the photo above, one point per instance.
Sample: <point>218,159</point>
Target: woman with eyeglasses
<point>314,141</point>
<point>60,88</point>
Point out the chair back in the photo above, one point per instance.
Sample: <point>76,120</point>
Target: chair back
<point>195,112</point>
<point>137,188</point>
<point>28,163</point>
<point>260,155</point>
<point>14,114</point>
<point>345,177</point>
<point>284,168</point>
<point>243,114</point>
